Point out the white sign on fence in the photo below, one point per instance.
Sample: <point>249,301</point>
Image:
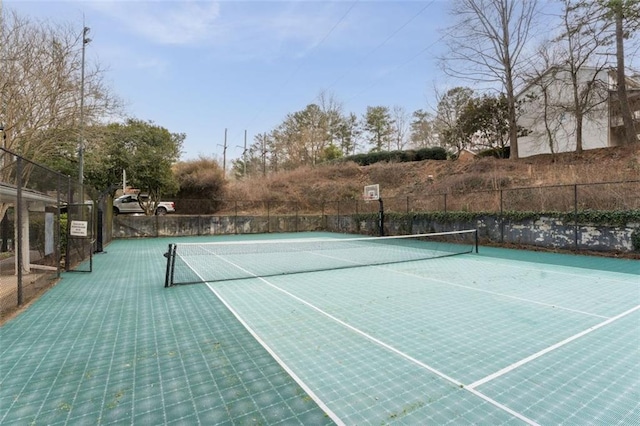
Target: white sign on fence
<point>78,228</point>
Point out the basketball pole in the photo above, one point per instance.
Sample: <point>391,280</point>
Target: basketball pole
<point>371,193</point>
<point>381,217</point>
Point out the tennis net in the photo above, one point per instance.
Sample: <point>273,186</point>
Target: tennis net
<point>190,263</point>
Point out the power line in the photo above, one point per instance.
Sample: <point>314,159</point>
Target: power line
<point>295,71</point>
<point>362,59</point>
<point>402,65</point>
<point>385,41</point>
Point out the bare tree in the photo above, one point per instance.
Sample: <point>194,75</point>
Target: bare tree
<point>259,154</point>
<point>331,110</point>
<point>581,41</point>
<point>540,111</point>
<point>40,70</point>
<point>450,107</point>
<point>624,12</point>
<point>40,86</point>
<point>400,119</point>
<point>613,22</point>
<point>487,45</point>
<point>423,133</point>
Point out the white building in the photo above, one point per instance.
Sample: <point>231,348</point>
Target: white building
<point>547,110</point>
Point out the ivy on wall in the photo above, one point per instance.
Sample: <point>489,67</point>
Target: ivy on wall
<point>616,218</point>
<point>593,217</point>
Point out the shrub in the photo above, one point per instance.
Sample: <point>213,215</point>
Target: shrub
<point>436,153</point>
<point>495,152</point>
<point>200,179</point>
<point>635,240</point>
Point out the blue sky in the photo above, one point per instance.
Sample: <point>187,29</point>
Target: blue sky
<point>200,67</point>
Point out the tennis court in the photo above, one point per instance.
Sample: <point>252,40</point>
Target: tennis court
<point>495,337</point>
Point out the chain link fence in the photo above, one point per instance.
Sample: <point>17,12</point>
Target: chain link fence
<point>605,196</point>
<point>37,207</point>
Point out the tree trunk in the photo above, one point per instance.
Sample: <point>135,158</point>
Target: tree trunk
<point>513,125</point>
<point>547,127</point>
<point>627,119</point>
<point>579,132</point>
<point>511,97</point>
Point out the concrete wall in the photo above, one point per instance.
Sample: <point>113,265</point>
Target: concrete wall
<point>548,232</point>
<point>127,226</point>
<point>543,232</point>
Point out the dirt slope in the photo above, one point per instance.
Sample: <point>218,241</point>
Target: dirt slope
<point>346,181</point>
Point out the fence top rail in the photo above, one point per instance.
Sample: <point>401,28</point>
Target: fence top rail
<point>57,173</point>
<point>568,185</point>
<point>434,194</point>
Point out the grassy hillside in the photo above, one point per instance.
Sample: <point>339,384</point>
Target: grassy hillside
<point>346,181</point>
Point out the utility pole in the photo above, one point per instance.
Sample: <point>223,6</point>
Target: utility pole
<point>244,155</point>
<point>85,41</point>
<point>224,154</point>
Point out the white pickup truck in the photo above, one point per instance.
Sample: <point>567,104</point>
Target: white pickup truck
<point>129,203</point>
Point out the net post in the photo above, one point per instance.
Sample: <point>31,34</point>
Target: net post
<point>173,262</point>
<point>475,233</point>
<point>170,255</point>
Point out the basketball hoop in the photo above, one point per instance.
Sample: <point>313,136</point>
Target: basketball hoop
<point>372,192</point>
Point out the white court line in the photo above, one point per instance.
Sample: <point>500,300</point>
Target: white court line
<point>512,263</point>
<point>363,334</point>
<point>493,293</point>
<point>470,388</point>
<point>549,349</point>
<point>255,335</point>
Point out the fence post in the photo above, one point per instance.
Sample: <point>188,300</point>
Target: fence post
<point>268,217</point>
<point>575,216</point>
<point>18,224</point>
<point>58,246</point>
<point>445,202</point>
<point>67,256</point>
<point>4,233</point>
<point>501,220</point>
<point>235,216</point>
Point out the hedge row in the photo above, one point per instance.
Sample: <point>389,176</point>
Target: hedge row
<point>436,153</point>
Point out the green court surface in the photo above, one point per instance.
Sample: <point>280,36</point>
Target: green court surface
<point>499,337</point>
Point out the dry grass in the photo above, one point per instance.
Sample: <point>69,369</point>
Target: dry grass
<point>305,185</point>
<point>308,186</point>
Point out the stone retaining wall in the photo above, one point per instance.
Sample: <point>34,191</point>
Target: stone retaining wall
<point>546,232</point>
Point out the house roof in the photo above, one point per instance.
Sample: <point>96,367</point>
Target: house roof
<point>9,194</point>
<point>632,82</point>
<point>536,79</point>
